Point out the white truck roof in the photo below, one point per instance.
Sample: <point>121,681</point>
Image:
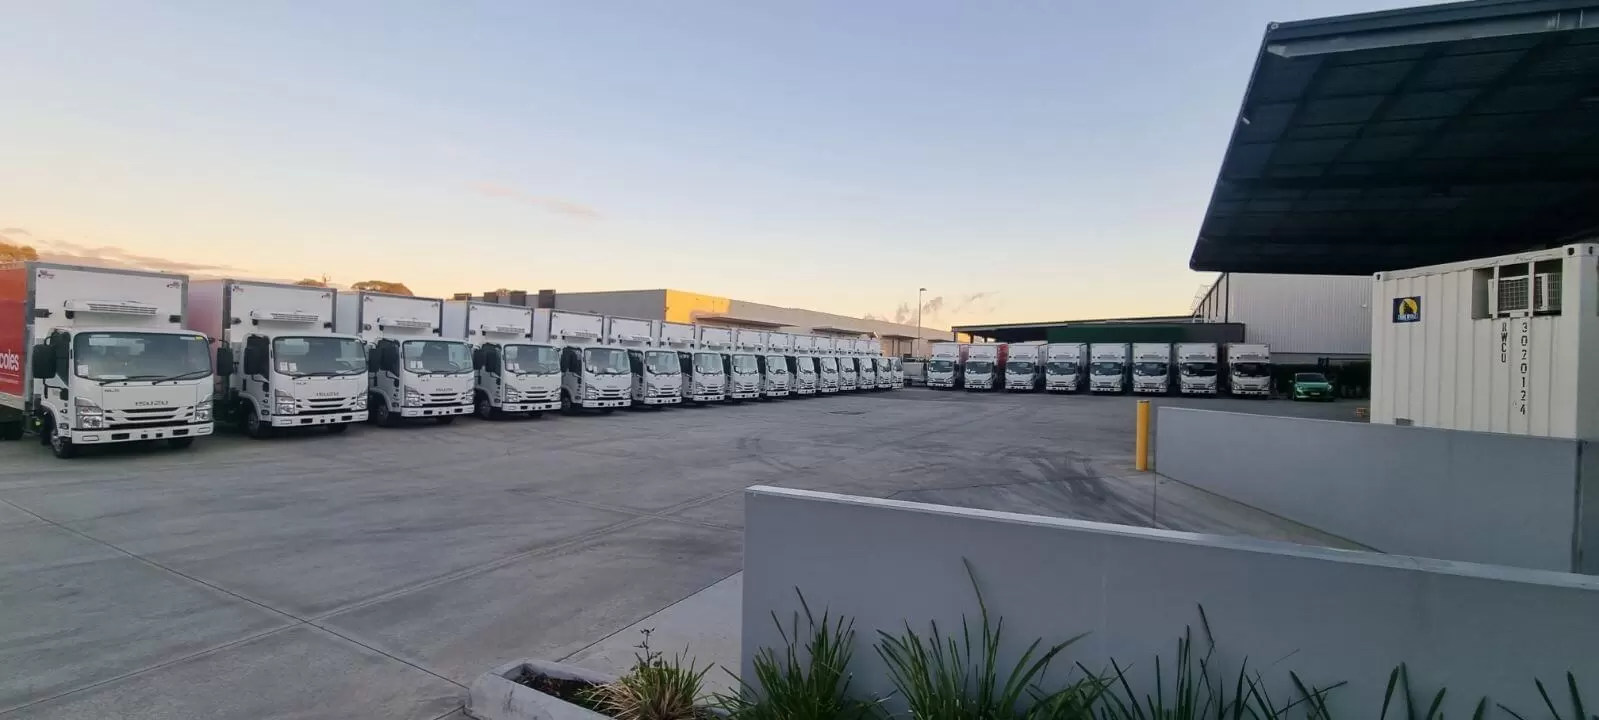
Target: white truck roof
<point>1108,350</point>
<point>373,315</point>
<point>715,338</point>
<point>632,332</point>
<point>568,327</point>
<point>746,339</point>
<point>674,335</point>
<point>1065,350</point>
<point>1248,351</point>
<point>779,342</point>
<point>1157,351</point>
<point>482,322</point>
<point>983,350</point>
<point>1196,350</point>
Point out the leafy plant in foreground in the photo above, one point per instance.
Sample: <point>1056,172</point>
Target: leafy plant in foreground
<point>655,688</point>
<point>796,685</point>
<point>958,677</point>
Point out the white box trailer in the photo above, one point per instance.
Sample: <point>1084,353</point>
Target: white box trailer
<point>594,373</point>
<point>412,370</point>
<point>97,356</point>
<point>515,375</point>
<point>1508,344</point>
<point>292,369</point>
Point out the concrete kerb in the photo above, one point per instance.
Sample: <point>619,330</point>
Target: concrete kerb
<point>495,695</point>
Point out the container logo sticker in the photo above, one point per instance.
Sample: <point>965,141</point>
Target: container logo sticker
<point>1407,309</point>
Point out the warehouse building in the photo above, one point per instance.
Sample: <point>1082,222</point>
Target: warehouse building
<point>688,307</point>
<point>1304,318</point>
<point>1169,328</point>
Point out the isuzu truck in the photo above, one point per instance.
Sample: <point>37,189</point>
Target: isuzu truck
<point>946,364</point>
<point>1107,369</point>
<point>802,365</point>
<point>865,370</point>
<point>292,369</point>
<point>656,373</point>
<point>744,365</point>
<point>1024,366</point>
<point>713,373</point>
<point>595,375</point>
<point>984,364</point>
<point>1196,368</point>
<point>1065,367</point>
<point>95,356</point>
<point>701,377</point>
<point>412,371</point>
<point>826,365</point>
<point>774,364</point>
<point>1151,368</point>
<point>848,374</point>
<point>1248,370</point>
<point>515,376</point>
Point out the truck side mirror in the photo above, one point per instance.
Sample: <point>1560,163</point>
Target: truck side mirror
<point>44,361</point>
<point>477,358</point>
<point>225,361</point>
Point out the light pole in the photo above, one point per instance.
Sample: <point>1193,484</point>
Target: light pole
<point>919,292</point>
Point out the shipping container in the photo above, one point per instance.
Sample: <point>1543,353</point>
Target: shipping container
<point>1508,344</point>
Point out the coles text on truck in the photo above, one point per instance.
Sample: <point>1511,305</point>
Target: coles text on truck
<point>413,372</point>
<point>95,356</point>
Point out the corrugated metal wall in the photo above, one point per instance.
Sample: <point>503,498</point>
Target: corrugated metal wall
<point>1309,315</point>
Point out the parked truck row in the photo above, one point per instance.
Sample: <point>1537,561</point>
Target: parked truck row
<point>1104,368</point>
<point>93,356</point>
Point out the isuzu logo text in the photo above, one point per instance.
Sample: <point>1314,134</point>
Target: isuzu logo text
<point>150,403</point>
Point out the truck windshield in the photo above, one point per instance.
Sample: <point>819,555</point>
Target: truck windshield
<point>606,361</point>
<point>805,366</point>
<point>1149,369</point>
<point>745,365</point>
<point>708,363</point>
<point>828,365</point>
<point>1106,368</point>
<point>437,356</point>
<point>776,365</point>
<point>662,362</point>
<point>1199,369</point>
<point>1019,367</point>
<point>941,366</point>
<point>113,356</point>
<point>846,366</point>
<point>1057,367</point>
<point>532,359</point>
<point>325,356</point>
<point>979,366</point>
<point>1250,369</point>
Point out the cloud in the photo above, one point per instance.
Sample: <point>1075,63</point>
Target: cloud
<point>113,256</point>
<point>547,204</point>
<point>15,231</point>
<point>932,307</point>
<point>976,302</point>
<point>870,316</point>
<point>903,313</point>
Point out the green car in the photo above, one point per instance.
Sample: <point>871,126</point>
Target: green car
<point>1312,386</point>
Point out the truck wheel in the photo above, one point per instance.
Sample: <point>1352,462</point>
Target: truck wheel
<point>254,427</point>
<point>566,403</point>
<point>180,443</point>
<point>444,420</point>
<point>11,431</point>
<point>382,416</point>
<point>62,447</point>
<point>485,410</point>
<point>338,428</point>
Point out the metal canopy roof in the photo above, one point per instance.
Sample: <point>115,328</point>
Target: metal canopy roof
<point>1411,137</point>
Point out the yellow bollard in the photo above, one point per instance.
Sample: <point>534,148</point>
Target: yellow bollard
<point>1141,443</point>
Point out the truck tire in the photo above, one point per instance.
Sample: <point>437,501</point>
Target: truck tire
<point>253,425</point>
<point>11,430</point>
<point>382,416</point>
<point>62,447</point>
<point>182,443</point>
<point>484,409</point>
<point>566,404</point>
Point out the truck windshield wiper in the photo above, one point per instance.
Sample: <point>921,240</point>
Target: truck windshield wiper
<point>330,373</point>
<point>158,379</point>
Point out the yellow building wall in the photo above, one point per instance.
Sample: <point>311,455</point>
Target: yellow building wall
<point>686,307</point>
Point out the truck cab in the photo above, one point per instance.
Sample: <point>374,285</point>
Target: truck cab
<point>294,371</point>
<point>985,364</point>
<point>515,376</point>
<point>776,379</point>
<point>96,356</point>
<point>1065,367</point>
<point>657,375</point>
<point>704,362</point>
<point>946,365</point>
<point>1024,371</point>
<point>595,375</point>
<point>1196,368</point>
<point>847,371</point>
<point>897,373</point>
<point>826,366</point>
<point>884,367</point>
<point>1151,368</point>
<point>1249,370</point>
<point>412,372</point>
<point>1107,370</point>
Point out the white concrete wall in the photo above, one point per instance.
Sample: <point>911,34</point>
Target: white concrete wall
<point>1329,615</point>
<point>1455,495</point>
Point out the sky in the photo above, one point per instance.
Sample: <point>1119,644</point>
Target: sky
<point>1022,160</point>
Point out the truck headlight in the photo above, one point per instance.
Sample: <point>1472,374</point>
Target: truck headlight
<point>590,392</point>
<point>360,401</point>
<point>90,416</point>
<point>283,403</point>
<point>202,411</point>
<point>413,398</point>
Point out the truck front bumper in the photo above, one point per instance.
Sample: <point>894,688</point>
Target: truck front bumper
<point>1019,387</point>
<point>1150,389</point>
<point>1199,391</point>
<point>285,421</point>
<point>1061,387</point>
<point>1105,388</point>
<point>1260,392</point>
<point>708,397</point>
<point>775,393</point>
<point>828,389</point>
<point>590,404</point>
<point>416,412</point>
<point>665,400</point>
<point>110,436</point>
<point>940,383</point>
<point>743,396</point>
<point>530,407</point>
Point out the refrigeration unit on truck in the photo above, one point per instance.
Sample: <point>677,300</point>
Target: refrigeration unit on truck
<point>657,377</point>
<point>595,375</point>
<point>412,370</point>
<point>1024,366</point>
<point>985,363</point>
<point>1065,367</point>
<point>1151,368</point>
<point>1507,344</point>
<point>1248,370</point>
<point>291,369</point>
<point>774,364</point>
<point>96,356</point>
<point>744,365</point>
<point>946,364</point>
<point>848,371</point>
<point>1196,368</point>
<point>1107,367</point>
<point>515,376</point>
<point>827,372</point>
<point>713,372</point>
<point>802,365</point>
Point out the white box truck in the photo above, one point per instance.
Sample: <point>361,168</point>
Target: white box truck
<point>827,372</point>
<point>946,364</point>
<point>1507,344</point>
<point>802,365</point>
<point>412,371</point>
<point>1107,367</point>
<point>702,379</point>
<point>96,356</point>
<point>1065,367</point>
<point>657,377</point>
<point>865,369</point>
<point>595,375</point>
<point>1196,368</point>
<point>515,376</point>
<point>774,365</point>
<point>292,370</point>
<point>715,350</point>
<point>984,366</point>
<point>882,365</point>
<point>1024,366</point>
<point>1248,370</point>
<point>744,365</point>
<point>1151,368</point>
<point>848,370</point>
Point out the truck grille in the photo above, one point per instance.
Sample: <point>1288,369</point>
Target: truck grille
<point>437,399</point>
<point>148,417</point>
